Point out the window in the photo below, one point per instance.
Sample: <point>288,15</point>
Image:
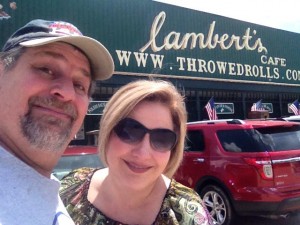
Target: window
<point>261,139</point>
<point>281,138</point>
<point>241,140</point>
<point>194,141</point>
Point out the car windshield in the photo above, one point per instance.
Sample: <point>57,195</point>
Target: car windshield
<point>261,139</point>
<point>68,163</point>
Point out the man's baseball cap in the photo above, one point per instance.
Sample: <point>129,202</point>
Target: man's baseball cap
<point>41,32</point>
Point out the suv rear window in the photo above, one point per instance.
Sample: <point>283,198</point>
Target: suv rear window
<point>281,138</point>
<point>260,139</point>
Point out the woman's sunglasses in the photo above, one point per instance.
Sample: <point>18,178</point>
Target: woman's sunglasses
<point>131,131</point>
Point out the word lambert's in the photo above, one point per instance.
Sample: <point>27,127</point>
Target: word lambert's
<point>174,40</point>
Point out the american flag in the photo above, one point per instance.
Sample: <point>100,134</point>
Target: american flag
<point>257,106</point>
<point>295,107</point>
<point>211,111</point>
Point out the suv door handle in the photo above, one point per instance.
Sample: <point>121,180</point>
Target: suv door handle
<point>198,160</point>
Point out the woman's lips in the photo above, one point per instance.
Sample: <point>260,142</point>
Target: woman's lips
<point>136,168</point>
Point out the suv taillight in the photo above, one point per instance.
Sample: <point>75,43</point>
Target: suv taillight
<point>263,165</point>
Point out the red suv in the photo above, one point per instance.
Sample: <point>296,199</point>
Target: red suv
<point>243,167</point>
<point>75,157</point>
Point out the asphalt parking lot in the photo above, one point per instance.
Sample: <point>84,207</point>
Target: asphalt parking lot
<point>292,219</point>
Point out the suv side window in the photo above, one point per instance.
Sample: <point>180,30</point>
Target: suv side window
<point>241,140</point>
<point>194,141</point>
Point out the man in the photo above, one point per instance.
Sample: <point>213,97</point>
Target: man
<point>46,73</point>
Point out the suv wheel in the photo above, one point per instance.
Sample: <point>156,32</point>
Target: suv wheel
<point>217,204</point>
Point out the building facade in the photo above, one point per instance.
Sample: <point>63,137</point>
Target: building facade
<point>203,54</point>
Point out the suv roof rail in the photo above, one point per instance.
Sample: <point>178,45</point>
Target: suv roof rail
<point>228,121</point>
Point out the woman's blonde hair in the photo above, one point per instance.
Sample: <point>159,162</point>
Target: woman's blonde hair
<point>127,97</point>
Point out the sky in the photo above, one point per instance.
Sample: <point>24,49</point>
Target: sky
<point>281,14</point>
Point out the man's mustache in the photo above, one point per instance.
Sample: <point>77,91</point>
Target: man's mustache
<point>52,102</point>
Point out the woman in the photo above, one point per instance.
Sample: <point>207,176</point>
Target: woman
<point>141,140</point>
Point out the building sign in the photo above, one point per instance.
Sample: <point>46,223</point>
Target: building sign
<point>149,37</point>
<point>224,108</point>
<point>96,107</point>
<point>203,47</point>
<point>268,106</point>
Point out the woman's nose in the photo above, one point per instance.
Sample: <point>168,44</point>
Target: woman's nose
<point>144,147</point>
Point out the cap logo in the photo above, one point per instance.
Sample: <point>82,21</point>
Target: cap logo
<point>63,28</point>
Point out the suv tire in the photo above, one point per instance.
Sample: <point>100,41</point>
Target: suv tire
<point>217,204</point>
